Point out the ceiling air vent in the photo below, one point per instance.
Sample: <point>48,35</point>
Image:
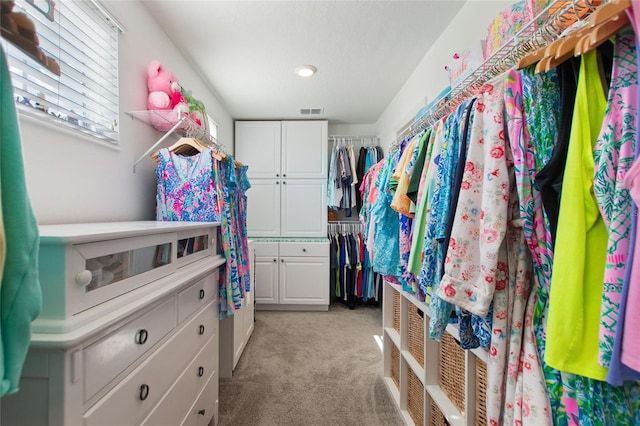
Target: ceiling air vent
<point>311,111</point>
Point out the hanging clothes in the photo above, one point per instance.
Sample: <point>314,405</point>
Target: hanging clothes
<point>199,188</point>
<point>352,278</point>
<point>612,162</point>
<point>346,174</point>
<point>20,292</point>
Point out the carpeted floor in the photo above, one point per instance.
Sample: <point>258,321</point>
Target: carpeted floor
<point>310,368</point>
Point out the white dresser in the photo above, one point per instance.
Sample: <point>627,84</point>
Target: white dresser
<point>128,333</point>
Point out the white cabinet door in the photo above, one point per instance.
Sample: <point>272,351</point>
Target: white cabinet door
<point>263,208</point>
<point>304,149</point>
<point>304,212</point>
<point>258,145</point>
<point>266,289</point>
<point>304,280</point>
<point>249,314</point>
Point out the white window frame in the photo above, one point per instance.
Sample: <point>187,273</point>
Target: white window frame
<point>82,37</point>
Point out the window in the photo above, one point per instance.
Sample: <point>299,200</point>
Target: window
<point>213,127</point>
<point>72,75</point>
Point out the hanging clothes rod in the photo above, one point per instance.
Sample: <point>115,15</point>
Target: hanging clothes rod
<point>351,137</point>
<point>557,17</point>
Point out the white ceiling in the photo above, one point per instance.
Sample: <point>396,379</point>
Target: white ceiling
<point>247,50</point>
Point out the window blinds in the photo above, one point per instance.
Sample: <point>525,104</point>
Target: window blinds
<point>84,42</point>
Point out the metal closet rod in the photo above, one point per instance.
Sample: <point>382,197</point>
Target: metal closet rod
<point>528,39</point>
<point>352,137</point>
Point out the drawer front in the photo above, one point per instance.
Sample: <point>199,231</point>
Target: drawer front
<point>109,356</point>
<point>175,404</point>
<point>205,407</point>
<point>100,271</point>
<point>313,249</point>
<point>266,249</point>
<point>194,245</point>
<point>129,401</point>
<point>196,296</point>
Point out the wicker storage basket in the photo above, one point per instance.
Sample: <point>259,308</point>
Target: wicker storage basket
<point>437,418</point>
<point>481,392</point>
<point>451,377</point>
<point>416,334</point>
<point>396,311</point>
<point>395,365</point>
<point>415,398</point>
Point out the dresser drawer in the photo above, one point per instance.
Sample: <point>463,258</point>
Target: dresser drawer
<point>266,249</point>
<point>175,404</point>
<point>196,296</point>
<point>195,244</point>
<point>109,356</point>
<point>311,249</point>
<point>134,397</point>
<point>206,405</point>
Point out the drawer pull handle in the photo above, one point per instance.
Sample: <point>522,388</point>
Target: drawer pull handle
<point>141,336</point>
<point>201,412</point>
<point>84,278</point>
<point>200,371</point>
<point>144,392</point>
<point>201,293</point>
<point>201,329</point>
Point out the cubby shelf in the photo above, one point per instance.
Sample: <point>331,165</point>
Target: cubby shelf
<point>425,393</point>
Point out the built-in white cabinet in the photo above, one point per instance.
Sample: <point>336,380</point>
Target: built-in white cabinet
<point>236,330</point>
<point>287,167</point>
<point>128,333</point>
<point>283,149</point>
<point>287,208</point>
<point>292,275</point>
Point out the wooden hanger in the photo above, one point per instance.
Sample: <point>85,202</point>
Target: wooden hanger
<point>187,146</point>
<point>607,11</point>
<point>531,59</point>
<point>604,31</point>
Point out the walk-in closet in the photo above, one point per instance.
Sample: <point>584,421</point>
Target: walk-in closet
<point>322,212</point>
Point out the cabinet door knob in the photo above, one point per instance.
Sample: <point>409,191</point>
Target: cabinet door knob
<point>144,392</point>
<point>284,182</point>
<point>304,250</point>
<point>201,329</point>
<point>278,183</point>
<point>282,260</point>
<point>284,175</point>
<point>201,293</point>
<point>200,371</point>
<point>277,174</point>
<point>274,261</point>
<point>201,412</point>
<point>141,336</point>
<point>84,278</point>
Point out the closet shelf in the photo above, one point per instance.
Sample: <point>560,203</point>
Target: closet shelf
<point>185,126</point>
<point>545,28</point>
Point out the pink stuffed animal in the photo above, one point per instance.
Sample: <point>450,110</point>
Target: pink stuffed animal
<point>164,97</point>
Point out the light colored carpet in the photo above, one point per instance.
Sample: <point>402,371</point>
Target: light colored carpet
<point>310,368</point>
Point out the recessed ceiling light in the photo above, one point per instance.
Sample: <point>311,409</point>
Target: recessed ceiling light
<point>306,70</point>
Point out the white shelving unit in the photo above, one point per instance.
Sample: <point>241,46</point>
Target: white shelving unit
<point>433,383</point>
